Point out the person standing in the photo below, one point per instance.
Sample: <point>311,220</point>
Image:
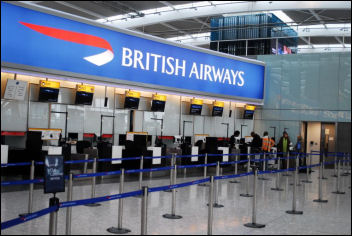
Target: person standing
<point>299,148</point>
<point>235,139</point>
<point>267,143</point>
<point>283,146</point>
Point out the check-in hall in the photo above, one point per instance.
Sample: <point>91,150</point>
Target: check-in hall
<point>111,126</point>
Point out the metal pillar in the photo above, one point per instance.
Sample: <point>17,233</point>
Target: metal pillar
<point>205,171</point>
<point>248,169</point>
<point>93,185</point>
<point>294,199</point>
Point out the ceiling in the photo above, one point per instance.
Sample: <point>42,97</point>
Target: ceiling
<point>95,10</point>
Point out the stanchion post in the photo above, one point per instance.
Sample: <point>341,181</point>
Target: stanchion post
<point>205,171</point>
<point>93,184</point>
<point>30,192</point>
<point>54,201</point>
<point>307,170</point>
<point>320,186</point>
<point>277,188</point>
<point>216,191</point>
<point>264,163</point>
<point>297,183</point>
<point>335,166</point>
<point>210,208</point>
<point>254,223</point>
<point>338,180</point>
<point>236,169</point>
<point>173,216</point>
<point>345,167</point>
<point>69,209</point>
<point>85,163</point>
<point>144,210</point>
<point>140,173</point>
<point>287,164</point>
<point>294,199</point>
<point>248,164</point>
<point>173,162</point>
<point>119,229</point>
<point>323,168</point>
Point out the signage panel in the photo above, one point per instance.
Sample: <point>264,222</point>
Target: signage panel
<point>49,84</point>
<point>54,180</point>
<point>45,42</point>
<point>85,88</point>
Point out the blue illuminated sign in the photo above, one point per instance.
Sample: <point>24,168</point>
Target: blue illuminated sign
<point>42,40</point>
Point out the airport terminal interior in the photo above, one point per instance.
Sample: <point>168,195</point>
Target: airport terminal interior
<point>176,117</point>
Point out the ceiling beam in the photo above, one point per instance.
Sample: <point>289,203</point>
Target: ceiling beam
<point>323,23</point>
<point>234,7</point>
<point>81,9</point>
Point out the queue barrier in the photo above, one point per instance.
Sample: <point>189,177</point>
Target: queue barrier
<point>20,182</point>
<point>161,157</point>
<point>31,216</point>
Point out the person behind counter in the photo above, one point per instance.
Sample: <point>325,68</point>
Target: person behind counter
<point>235,139</point>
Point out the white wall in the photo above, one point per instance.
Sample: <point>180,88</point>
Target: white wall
<point>313,134</point>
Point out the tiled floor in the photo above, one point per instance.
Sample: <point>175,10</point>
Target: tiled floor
<point>333,217</point>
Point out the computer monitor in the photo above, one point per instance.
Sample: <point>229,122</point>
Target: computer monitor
<point>217,111</point>
<point>48,94</point>
<point>195,109</point>
<point>73,136</point>
<point>158,105</point>
<point>131,103</point>
<point>83,98</point>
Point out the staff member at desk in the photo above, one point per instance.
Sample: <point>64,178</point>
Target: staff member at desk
<point>235,140</point>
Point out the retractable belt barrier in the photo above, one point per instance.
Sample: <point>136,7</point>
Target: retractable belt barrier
<point>156,157</point>
<point>31,216</point>
<point>35,181</point>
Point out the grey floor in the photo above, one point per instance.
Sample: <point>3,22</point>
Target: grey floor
<point>333,217</point>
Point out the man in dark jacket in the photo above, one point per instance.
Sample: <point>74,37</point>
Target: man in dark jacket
<point>256,143</point>
<point>283,146</point>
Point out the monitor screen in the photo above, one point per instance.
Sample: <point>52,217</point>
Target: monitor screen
<point>48,94</point>
<point>158,105</point>
<point>248,114</point>
<point>217,111</point>
<point>131,103</point>
<point>73,136</point>
<point>195,109</point>
<point>84,98</point>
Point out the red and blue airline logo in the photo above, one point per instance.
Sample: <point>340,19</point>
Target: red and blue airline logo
<point>86,39</point>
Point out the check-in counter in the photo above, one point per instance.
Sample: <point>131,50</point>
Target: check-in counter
<point>156,153</point>
<point>225,150</point>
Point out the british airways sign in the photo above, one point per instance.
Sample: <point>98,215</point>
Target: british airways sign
<point>39,40</point>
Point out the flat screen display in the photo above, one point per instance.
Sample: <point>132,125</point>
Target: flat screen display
<point>217,111</point>
<point>131,103</point>
<point>54,179</point>
<point>248,114</point>
<point>48,94</point>
<point>158,105</point>
<point>84,98</point>
<point>195,109</point>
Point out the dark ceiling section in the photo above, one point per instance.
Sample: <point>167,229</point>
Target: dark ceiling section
<point>141,5</point>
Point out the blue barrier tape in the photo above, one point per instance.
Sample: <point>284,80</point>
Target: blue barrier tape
<point>97,174</point>
<point>16,164</point>
<point>98,199</point>
<point>233,162</point>
<point>148,170</point>
<point>77,161</point>
<point>19,182</point>
<point>232,176</point>
<point>181,185</point>
<point>32,216</point>
<point>158,157</point>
